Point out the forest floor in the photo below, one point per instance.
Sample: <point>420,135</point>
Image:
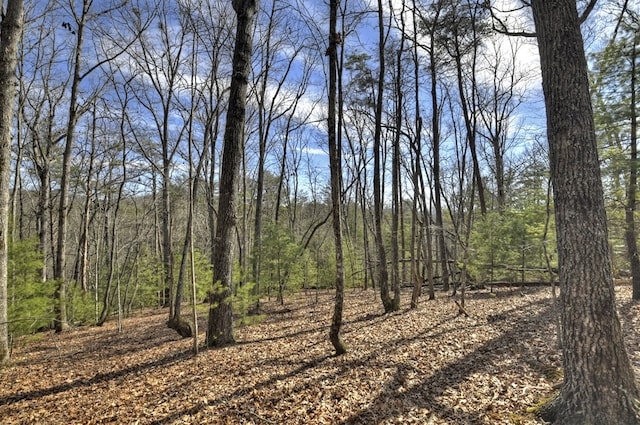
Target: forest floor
<point>428,366</point>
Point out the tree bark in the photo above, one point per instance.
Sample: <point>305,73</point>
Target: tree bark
<point>435,129</point>
<point>467,102</point>
<point>220,322</point>
<point>378,164</point>
<point>630,231</point>
<point>395,175</point>
<point>10,33</point>
<point>416,148</point>
<point>599,385</point>
<point>336,180</point>
<point>59,270</point>
<point>82,257</point>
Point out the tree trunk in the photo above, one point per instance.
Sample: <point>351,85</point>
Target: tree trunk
<point>110,233</point>
<point>435,129</point>
<point>469,112</point>
<point>378,164</point>
<point>176,322</point>
<point>43,213</point>
<point>599,385</point>
<point>10,32</point>
<point>395,176</point>
<point>167,236</point>
<point>630,232</point>
<point>336,179</point>
<point>82,262</point>
<point>416,277</point>
<point>220,322</point>
<point>63,207</point>
<point>264,125</point>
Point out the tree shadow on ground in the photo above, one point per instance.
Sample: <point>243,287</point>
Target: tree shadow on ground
<point>98,378</point>
<point>238,393</point>
<point>92,341</point>
<point>298,360</point>
<point>426,392</point>
<point>288,335</point>
<point>429,390</point>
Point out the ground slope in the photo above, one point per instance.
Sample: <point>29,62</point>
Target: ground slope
<point>428,366</point>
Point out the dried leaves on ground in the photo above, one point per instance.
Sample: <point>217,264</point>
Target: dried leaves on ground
<point>429,365</point>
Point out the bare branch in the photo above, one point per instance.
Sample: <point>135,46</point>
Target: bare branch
<point>622,12</point>
<point>588,10</point>
<point>499,26</point>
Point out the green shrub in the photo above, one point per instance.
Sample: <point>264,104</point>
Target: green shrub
<point>243,302</point>
<point>81,308</point>
<point>30,300</point>
<point>282,262</point>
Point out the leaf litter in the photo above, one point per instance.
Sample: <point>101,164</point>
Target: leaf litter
<point>428,365</point>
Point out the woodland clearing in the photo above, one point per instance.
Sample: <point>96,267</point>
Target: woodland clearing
<point>428,365</point>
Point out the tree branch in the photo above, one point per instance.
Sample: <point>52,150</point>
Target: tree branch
<point>588,10</point>
<point>502,28</point>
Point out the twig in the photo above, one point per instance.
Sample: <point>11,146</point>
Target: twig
<point>260,417</point>
<point>461,309</point>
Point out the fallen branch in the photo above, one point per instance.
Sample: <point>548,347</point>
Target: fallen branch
<point>461,309</point>
<point>261,418</point>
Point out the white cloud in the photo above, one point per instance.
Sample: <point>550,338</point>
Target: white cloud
<point>314,151</point>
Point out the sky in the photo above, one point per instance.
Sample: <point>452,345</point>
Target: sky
<point>364,38</point>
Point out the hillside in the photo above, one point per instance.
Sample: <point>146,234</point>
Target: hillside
<point>428,366</point>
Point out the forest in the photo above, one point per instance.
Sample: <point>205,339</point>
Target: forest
<point>226,167</point>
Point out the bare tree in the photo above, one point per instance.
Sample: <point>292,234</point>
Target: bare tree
<point>160,57</point>
<point>498,99</point>
<point>41,100</point>
<point>273,104</point>
<point>421,240</point>
<point>431,23</point>
<point>396,181</point>
<point>378,165</point>
<point>335,160</point>
<point>220,321</point>
<point>79,27</point>
<point>10,33</point>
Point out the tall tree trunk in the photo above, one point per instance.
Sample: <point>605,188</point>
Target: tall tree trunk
<point>220,322</point>
<point>468,104</point>
<point>416,148</point>
<point>416,278</point>
<point>42,215</point>
<point>630,231</point>
<point>212,132</point>
<point>82,262</point>
<point>336,179</point>
<point>364,211</point>
<point>264,124</point>
<point>176,322</point>
<point>111,231</point>
<point>167,235</point>
<point>435,130</point>
<point>395,173</point>
<point>59,269</point>
<point>378,164</point>
<point>599,385</point>
<point>10,32</point>
<point>17,196</point>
